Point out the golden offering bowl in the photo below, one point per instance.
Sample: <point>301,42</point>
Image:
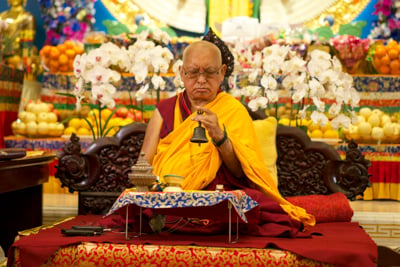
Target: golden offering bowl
<point>174,183</point>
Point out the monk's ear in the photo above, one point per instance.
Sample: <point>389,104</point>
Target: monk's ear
<point>180,68</point>
<point>223,70</point>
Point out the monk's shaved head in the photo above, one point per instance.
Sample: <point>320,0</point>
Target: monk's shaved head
<point>205,46</point>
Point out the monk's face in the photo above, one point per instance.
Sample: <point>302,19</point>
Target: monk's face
<point>202,72</point>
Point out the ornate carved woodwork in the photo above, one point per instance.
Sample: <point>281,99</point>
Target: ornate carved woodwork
<point>306,167</point>
<point>103,167</point>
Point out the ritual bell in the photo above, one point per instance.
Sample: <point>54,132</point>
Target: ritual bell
<point>199,134</point>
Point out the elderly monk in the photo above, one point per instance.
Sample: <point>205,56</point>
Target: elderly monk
<point>232,157</point>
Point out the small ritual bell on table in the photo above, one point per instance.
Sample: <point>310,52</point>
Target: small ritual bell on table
<point>141,174</point>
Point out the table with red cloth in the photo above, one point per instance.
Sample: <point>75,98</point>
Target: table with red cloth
<point>335,243</point>
<point>341,243</point>
<point>384,169</point>
<point>11,83</point>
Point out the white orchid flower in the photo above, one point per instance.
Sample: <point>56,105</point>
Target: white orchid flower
<point>157,34</point>
<point>355,97</point>
<point>79,65</point>
<point>79,88</point>
<point>336,65</point>
<point>97,57</point>
<point>236,92</point>
<point>303,112</point>
<point>272,64</point>
<point>176,66</point>
<point>320,105</point>
<point>299,93</point>
<point>103,93</point>
<point>293,65</point>
<point>276,50</point>
<point>164,66</point>
<point>341,120</point>
<point>319,118</point>
<point>113,52</point>
<point>354,117</point>
<point>108,102</point>
<point>251,90</point>
<point>99,75</point>
<point>316,88</point>
<point>231,81</point>
<point>328,76</point>
<point>257,60</point>
<point>158,82</point>
<point>315,68</point>
<point>299,79</point>
<point>161,36</point>
<point>78,102</point>
<point>178,83</point>
<point>258,103</point>
<point>167,54</point>
<point>288,82</point>
<point>272,95</point>
<point>346,80</point>
<point>142,36</point>
<point>140,71</point>
<point>268,82</point>
<point>140,94</point>
<point>334,109</point>
<point>320,55</point>
<point>253,74</point>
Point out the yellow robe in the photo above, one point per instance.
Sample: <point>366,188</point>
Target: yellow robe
<point>199,164</point>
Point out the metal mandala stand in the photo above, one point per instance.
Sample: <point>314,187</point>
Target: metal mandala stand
<point>142,177</point>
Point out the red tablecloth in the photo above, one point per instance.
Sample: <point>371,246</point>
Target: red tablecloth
<point>343,244</point>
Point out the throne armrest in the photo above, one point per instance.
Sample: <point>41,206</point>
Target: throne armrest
<point>308,167</point>
<point>100,173</point>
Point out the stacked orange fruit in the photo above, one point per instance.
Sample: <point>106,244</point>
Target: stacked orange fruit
<point>60,58</point>
<point>387,58</point>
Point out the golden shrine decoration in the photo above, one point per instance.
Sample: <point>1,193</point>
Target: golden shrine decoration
<point>340,11</point>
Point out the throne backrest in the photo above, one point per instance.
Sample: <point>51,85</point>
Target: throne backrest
<point>304,167</point>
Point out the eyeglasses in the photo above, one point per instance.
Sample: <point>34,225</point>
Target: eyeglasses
<point>195,74</point>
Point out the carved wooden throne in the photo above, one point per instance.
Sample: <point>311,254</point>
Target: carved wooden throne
<point>304,167</point>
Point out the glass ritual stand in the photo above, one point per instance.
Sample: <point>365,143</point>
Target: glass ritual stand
<point>194,202</point>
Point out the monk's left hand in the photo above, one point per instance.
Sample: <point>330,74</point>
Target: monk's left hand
<point>210,121</point>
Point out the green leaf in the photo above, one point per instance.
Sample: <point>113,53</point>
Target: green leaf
<point>109,118</point>
<point>68,119</point>
<point>324,32</point>
<point>354,28</point>
<point>66,94</point>
<point>115,27</point>
<point>170,31</point>
<point>91,128</point>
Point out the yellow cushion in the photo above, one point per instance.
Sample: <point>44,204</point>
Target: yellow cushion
<point>266,134</point>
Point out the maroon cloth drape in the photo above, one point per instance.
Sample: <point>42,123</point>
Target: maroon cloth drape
<point>340,243</point>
